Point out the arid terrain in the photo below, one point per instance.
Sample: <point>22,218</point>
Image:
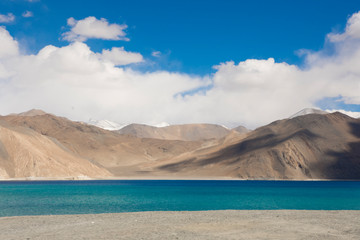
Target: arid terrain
<point>282,224</point>
<point>36,144</point>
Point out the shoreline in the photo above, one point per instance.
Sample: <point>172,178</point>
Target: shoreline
<point>35,179</point>
<point>220,224</point>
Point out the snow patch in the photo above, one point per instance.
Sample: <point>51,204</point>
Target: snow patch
<point>106,124</point>
<point>306,111</point>
<point>162,124</point>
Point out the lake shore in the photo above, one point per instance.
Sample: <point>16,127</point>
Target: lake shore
<point>37,179</point>
<point>228,224</point>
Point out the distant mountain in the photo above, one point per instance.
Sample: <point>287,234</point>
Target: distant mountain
<point>106,124</point>
<point>349,113</point>
<point>113,126</point>
<point>306,111</point>
<point>32,112</point>
<point>185,132</point>
<point>241,129</point>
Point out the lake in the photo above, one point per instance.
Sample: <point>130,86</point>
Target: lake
<point>18,198</point>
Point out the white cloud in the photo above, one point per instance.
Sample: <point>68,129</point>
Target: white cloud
<point>8,46</point>
<point>119,56</point>
<point>74,82</point>
<point>7,18</point>
<point>81,86</point>
<point>90,27</point>
<point>27,14</point>
<point>352,30</point>
<point>156,53</point>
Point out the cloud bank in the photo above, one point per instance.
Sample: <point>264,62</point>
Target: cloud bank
<point>75,82</point>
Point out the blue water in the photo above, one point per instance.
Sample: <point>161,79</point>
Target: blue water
<point>81,197</point>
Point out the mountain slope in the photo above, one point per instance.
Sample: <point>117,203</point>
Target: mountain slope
<point>312,146</point>
<point>185,132</point>
<point>32,112</point>
<point>26,153</point>
<point>113,151</point>
<point>241,129</point>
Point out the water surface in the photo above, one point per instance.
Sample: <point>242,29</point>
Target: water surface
<point>82,197</point>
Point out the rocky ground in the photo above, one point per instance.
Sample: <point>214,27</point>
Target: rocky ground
<point>282,224</point>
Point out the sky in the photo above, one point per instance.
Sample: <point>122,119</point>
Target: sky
<point>226,62</point>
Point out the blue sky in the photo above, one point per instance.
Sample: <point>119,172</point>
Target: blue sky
<point>191,37</point>
<point>194,35</point>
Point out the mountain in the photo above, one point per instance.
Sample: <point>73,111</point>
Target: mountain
<point>113,126</point>
<point>27,153</point>
<point>349,113</point>
<point>306,111</point>
<point>119,154</point>
<point>185,132</point>
<point>31,113</point>
<point>106,124</point>
<point>241,129</point>
<point>313,146</point>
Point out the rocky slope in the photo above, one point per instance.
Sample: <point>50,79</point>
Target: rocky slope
<point>312,146</point>
<point>27,153</point>
<point>107,149</point>
<point>185,132</point>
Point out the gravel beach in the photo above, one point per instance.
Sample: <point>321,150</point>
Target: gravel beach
<point>230,224</point>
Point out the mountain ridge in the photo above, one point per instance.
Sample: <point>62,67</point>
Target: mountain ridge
<point>311,146</point>
<point>184,132</point>
<point>299,148</point>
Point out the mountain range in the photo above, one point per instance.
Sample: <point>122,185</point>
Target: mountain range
<point>308,145</point>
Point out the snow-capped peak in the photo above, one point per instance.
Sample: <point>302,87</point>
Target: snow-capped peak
<point>162,124</point>
<point>106,124</point>
<point>306,111</point>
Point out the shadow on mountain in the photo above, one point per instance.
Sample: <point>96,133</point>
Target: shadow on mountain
<point>238,150</point>
<point>347,163</point>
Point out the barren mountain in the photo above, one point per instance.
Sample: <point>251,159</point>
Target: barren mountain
<point>113,151</point>
<point>26,153</point>
<point>241,129</point>
<point>185,132</point>
<point>312,146</point>
<point>32,113</point>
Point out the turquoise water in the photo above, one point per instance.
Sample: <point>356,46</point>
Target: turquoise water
<point>81,197</point>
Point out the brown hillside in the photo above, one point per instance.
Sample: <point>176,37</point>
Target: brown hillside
<point>26,153</point>
<point>307,147</point>
<point>117,153</point>
<point>185,132</point>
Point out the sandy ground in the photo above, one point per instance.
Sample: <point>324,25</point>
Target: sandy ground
<point>233,224</point>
